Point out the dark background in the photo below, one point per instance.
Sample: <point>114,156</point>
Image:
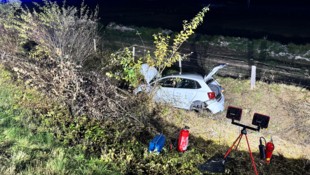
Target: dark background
<point>286,21</point>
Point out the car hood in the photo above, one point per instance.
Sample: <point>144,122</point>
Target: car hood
<point>214,70</point>
<point>149,72</point>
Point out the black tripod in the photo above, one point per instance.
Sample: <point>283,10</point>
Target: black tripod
<point>217,165</point>
<point>243,132</point>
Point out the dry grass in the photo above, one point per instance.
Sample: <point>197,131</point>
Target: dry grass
<point>288,107</point>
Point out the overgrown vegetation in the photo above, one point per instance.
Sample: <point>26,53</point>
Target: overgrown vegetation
<point>164,55</point>
<point>26,143</point>
<point>62,119</point>
<point>62,39</point>
<point>37,137</point>
<point>89,113</point>
<point>55,31</point>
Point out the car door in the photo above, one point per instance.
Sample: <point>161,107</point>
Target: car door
<point>164,90</point>
<point>185,92</point>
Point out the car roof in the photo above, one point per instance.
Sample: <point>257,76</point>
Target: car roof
<point>150,73</point>
<point>187,75</point>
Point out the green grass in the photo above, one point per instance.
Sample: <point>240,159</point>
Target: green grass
<point>27,151</point>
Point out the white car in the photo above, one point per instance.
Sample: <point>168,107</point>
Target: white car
<point>186,91</point>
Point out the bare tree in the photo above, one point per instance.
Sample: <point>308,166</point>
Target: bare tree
<point>8,40</point>
<point>59,32</point>
<point>64,39</point>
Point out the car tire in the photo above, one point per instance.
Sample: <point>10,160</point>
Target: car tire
<point>197,106</point>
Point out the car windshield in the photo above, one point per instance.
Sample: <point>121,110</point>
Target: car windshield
<point>168,82</point>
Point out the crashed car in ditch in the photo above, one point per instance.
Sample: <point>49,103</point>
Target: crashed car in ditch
<point>188,91</point>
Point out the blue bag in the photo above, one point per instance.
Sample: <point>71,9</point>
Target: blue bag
<point>157,144</point>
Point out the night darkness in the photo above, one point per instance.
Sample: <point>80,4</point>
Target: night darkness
<point>280,20</point>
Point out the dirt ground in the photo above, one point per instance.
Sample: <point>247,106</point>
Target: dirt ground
<point>287,106</point>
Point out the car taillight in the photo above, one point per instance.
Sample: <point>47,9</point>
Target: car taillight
<point>211,95</point>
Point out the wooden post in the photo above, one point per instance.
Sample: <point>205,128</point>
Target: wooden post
<point>133,51</point>
<point>253,77</point>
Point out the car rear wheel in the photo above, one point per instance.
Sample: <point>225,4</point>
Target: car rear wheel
<point>197,106</point>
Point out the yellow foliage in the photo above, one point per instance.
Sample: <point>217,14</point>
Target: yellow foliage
<point>164,55</point>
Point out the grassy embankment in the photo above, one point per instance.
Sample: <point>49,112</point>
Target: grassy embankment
<point>288,108</point>
<point>28,146</point>
<point>40,135</point>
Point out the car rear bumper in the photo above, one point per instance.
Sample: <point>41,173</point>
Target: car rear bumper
<point>216,106</point>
